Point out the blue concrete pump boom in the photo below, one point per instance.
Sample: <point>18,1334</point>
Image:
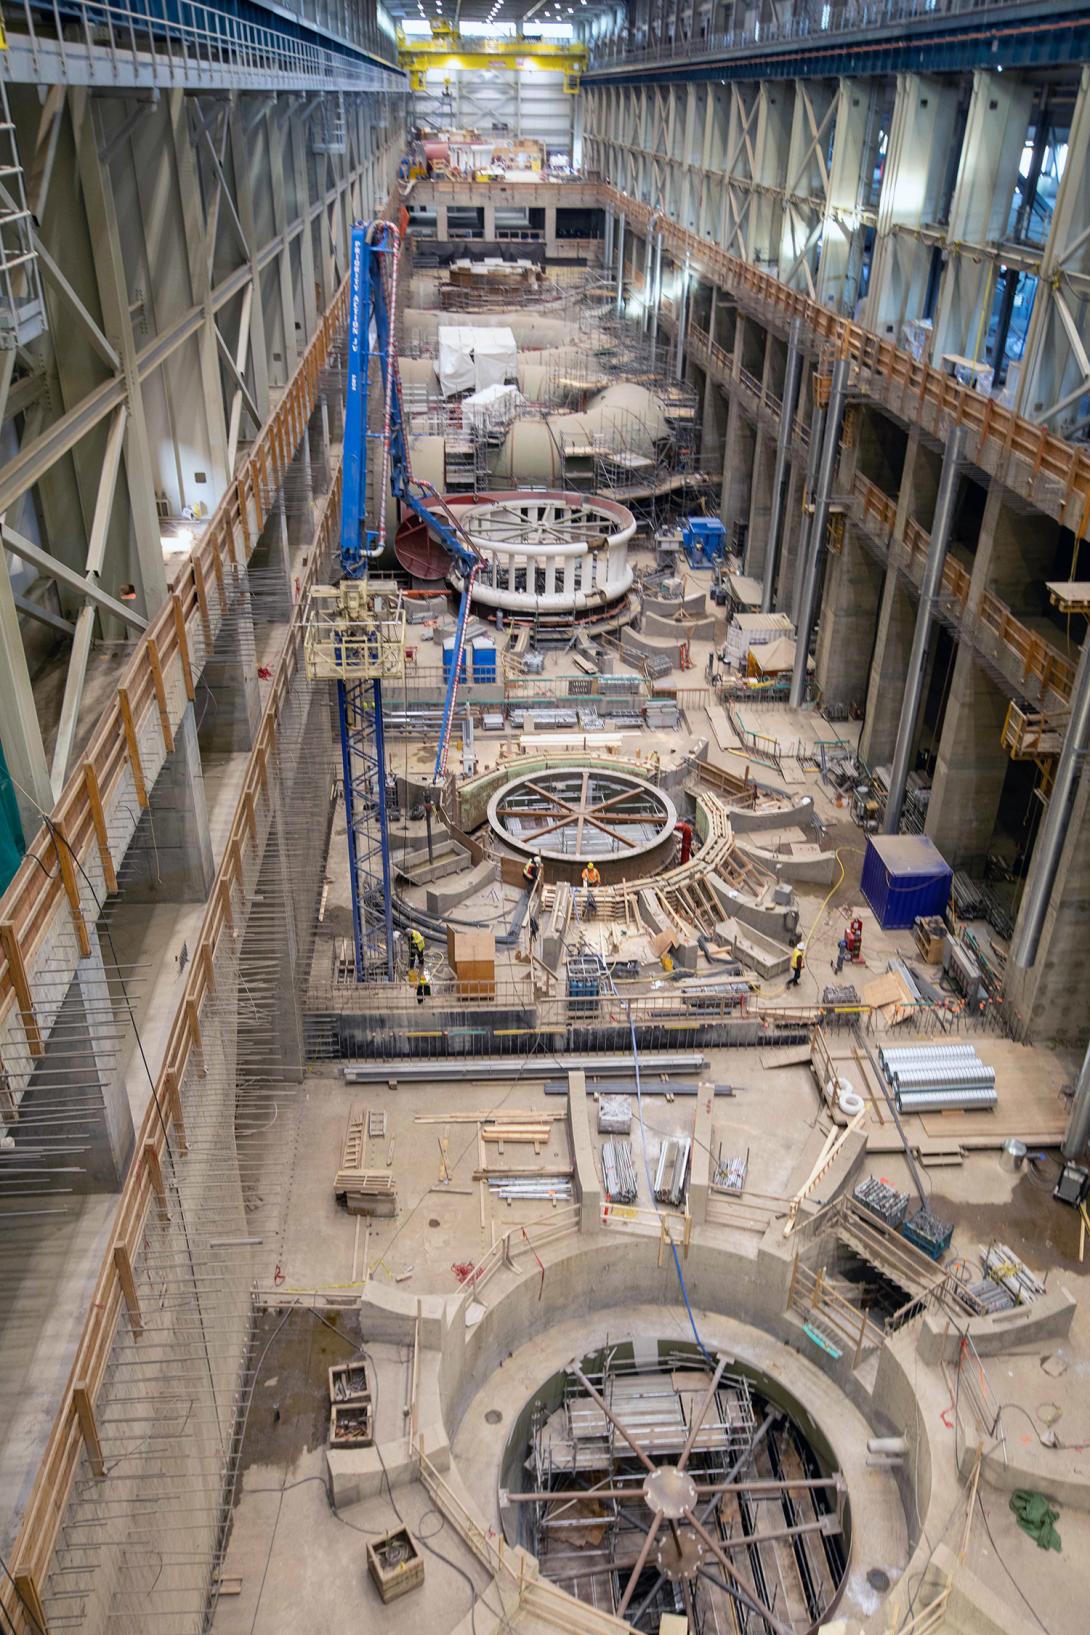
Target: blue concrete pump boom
<point>375,254</point>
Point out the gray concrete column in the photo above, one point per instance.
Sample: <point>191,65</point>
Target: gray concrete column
<point>550,228</point>
<point>738,452</point>
<point>889,666</point>
<point>270,570</point>
<point>170,858</point>
<point>1070,769</point>
<point>1049,996</point>
<point>657,300</point>
<point>442,231</point>
<point>276,880</point>
<point>228,697</point>
<point>760,503</point>
<point>489,212</point>
<point>815,544</point>
<point>929,590</point>
<point>792,372</point>
<point>77,1089</point>
<point>793,533</point>
<point>971,766</point>
<point>682,322</point>
<point>852,589</point>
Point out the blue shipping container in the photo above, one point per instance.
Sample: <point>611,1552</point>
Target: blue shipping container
<point>904,876</point>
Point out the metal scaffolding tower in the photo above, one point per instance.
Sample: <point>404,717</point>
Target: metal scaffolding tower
<point>355,635</point>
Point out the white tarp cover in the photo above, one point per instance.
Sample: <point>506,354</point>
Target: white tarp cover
<point>495,356</point>
<point>472,356</point>
<point>492,409</point>
<point>456,373</point>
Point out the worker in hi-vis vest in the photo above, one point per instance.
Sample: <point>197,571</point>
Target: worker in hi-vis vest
<point>591,878</point>
<point>416,950</point>
<point>798,960</point>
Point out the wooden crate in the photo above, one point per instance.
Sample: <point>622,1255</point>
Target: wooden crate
<point>472,958</point>
<point>348,1382</point>
<point>351,1424</point>
<point>929,933</point>
<point>395,1564</point>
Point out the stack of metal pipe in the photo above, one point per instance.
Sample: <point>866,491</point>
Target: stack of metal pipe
<point>618,1171</point>
<point>932,1078</point>
<point>672,1168</point>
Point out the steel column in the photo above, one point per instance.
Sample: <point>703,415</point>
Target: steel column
<point>917,659</point>
<point>1053,833</point>
<point>1077,1134</point>
<point>792,373</point>
<point>682,315</point>
<point>818,523</point>
<point>20,730</point>
<point>619,299</point>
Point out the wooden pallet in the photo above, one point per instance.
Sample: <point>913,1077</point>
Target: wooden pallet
<point>364,1191</point>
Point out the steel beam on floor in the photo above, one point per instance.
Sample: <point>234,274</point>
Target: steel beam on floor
<point>515,1067</point>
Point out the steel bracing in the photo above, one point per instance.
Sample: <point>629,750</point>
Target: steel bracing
<point>187,244</point>
<point>946,210</point>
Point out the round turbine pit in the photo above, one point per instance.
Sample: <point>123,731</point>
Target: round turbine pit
<point>664,1479</point>
<point>573,815</point>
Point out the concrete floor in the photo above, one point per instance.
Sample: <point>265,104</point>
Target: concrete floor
<point>292,1555</point>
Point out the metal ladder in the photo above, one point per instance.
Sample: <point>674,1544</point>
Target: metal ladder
<point>332,136</point>
<point>22,307</point>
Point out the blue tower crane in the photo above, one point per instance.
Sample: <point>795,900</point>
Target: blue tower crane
<point>375,253</point>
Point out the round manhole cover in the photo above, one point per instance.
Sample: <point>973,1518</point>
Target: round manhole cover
<point>493,1416</point>
<point>878,1580</point>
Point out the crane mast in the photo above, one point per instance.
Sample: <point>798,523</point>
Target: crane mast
<point>355,633</point>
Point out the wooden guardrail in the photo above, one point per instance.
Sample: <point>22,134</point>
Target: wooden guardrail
<point>998,431</point>
<point>200,591</point>
<point>1039,661</point>
<point>144,1188</point>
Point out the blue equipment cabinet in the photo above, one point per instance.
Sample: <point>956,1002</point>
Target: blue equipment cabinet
<point>704,541</point>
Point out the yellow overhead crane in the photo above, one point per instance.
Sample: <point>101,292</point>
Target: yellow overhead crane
<point>447,48</point>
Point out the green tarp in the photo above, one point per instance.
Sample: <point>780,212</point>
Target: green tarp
<point>12,844</point>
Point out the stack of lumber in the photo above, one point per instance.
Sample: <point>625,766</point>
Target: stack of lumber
<point>363,1191</point>
<point>534,1131</point>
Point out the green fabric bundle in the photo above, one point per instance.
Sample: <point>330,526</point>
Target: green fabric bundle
<point>1037,1518</point>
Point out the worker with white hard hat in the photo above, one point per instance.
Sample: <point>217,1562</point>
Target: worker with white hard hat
<point>797,962</point>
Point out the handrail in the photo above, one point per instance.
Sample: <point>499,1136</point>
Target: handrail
<point>1039,660</point>
<point>26,906</point>
<point>1000,435</point>
<point>199,596</point>
<point>121,44</point>
<point>857,17</point>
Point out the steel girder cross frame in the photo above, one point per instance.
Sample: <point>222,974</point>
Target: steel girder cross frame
<point>363,760</point>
